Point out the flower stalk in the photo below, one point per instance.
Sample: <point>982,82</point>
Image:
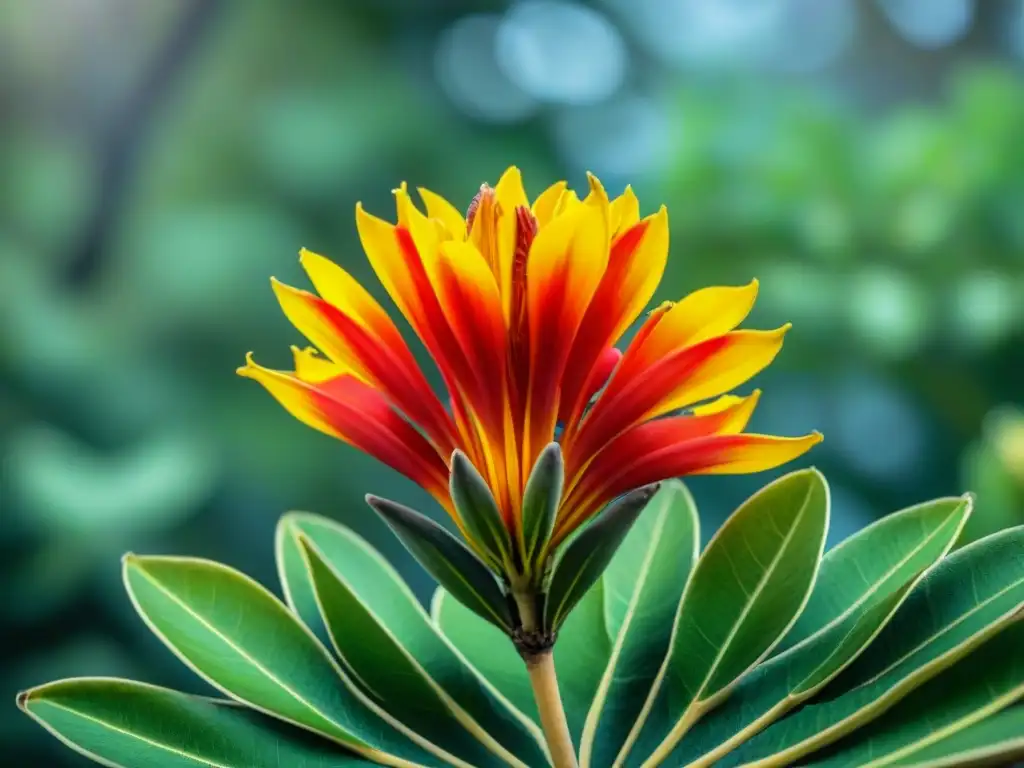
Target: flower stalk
<point>541,668</point>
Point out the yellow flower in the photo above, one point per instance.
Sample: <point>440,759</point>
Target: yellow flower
<point>521,305</point>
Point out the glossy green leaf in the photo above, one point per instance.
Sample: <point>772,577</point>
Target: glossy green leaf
<point>388,673</point>
<point>448,560</point>
<point>540,502</point>
<point>989,680</point>
<point>643,583</point>
<point>996,740</point>
<point>888,549</point>
<point>479,512</point>
<point>747,588</point>
<point>379,588</point>
<point>967,598</point>
<point>860,585</point>
<point>487,649</point>
<point>128,724</point>
<point>240,638</point>
<point>581,654</point>
<point>584,558</point>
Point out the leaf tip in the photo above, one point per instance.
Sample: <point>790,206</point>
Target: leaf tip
<point>22,700</point>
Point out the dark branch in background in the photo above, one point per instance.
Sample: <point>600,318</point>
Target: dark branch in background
<point>119,144</point>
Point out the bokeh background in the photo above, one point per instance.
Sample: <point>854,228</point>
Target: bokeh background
<point>159,160</point>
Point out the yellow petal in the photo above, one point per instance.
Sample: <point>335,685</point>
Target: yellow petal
<point>338,287</point>
<point>702,315</point>
<point>566,203</point>
<point>757,453</point>
<point>509,191</point>
<point>313,369</point>
<point>624,212</point>
<point>380,242</point>
<point>440,209</point>
<point>645,269</point>
<point>745,355</point>
<point>291,393</point>
<point>545,204</point>
<point>742,408</point>
<point>597,197</point>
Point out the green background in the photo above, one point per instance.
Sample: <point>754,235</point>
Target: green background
<point>160,160</point>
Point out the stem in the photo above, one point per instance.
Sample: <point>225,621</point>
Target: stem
<point>526,602</point>
<point>541,669</point>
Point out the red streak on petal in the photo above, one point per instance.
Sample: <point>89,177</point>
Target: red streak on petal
<point>363,417</point>
<point>396,373</point>
<point>626,401</point>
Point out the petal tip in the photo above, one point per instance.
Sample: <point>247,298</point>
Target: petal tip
<point>246,371</point>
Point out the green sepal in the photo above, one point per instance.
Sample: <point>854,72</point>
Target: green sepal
<point>540,505</point>
<point>448,560</point>
<point>478,510</point>
<point>588,554</point>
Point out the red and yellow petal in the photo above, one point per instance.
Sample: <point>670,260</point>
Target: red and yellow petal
<point>720,454</point>
<point>728,414</point>
<point>385,364</point>
<point>339,288</point>
<point>348,409</point>
<point>311,368</point>
<point>636,263</point>
<point>566,263</point>
<point>688,376</point>
<point>702,315</point>
<point>404,257</point>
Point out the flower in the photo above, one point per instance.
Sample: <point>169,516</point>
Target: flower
<point>520,306</point>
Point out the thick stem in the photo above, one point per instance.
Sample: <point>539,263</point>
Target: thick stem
<point>526,602</point>
<point>541,668</point>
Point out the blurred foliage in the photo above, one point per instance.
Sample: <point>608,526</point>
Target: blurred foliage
<point>159,161</point>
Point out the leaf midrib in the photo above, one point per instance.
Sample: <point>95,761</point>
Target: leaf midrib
<point>131,734</point>
<point>922,673</point>
<point>762,582</point>
<point>936,635</point>
<point>995,705</point>
<point>461,716</point>
<point>877,584</point>
<point>245,655</point>
<point>597,706</point>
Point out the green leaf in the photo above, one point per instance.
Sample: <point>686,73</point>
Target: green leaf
<point>581,654</point>
<point>479,512</point>
<point>643,585</point>
<point>393,674</point>
<point>747,589</point>
<point>448,560</point>
<point>989,680</point>
<point>896,544</point>
<point>540,503</point>
<point>487,649</point>
<point>376,585</point>
<point>860,585</point>
<point>128,724</point>
<point>967,598</point>
<point>390,674</point>
<point>996,740</point>
<point>586,556</point>
<point>242,640</point>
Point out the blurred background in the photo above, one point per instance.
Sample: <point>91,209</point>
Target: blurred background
<point>160,160</point>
